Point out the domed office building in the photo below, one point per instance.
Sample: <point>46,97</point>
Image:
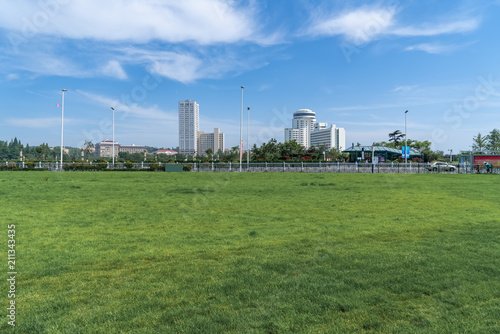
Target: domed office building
<point>302,125</point>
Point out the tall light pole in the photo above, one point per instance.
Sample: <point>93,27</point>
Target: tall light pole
<point>241,126</point>
<point>406,145</point>
<point>451,155</point>
<point>248,136</point>
<point>113,136</point>
<point>62,127</point>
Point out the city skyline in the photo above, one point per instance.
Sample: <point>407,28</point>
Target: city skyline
<point>359,64</point>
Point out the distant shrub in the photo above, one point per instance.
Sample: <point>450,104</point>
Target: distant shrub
<point>128,165</point>
<point>155,167</point>
<point>8,167</point>
<point>187,168</point>
<point>83,167</point>
<point>29,165</point>
<point>103,165</point>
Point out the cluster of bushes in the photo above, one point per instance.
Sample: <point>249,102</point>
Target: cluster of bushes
<point>9,167</point>
<point>101,166</point>
<point>85,167</point>
<point>27,166</point>
<point>156,167</point>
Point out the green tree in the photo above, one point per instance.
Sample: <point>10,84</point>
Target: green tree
<point>479,143</point>
<point>209,153</point>
<point>41,151</point>
<point>334,154</point>
<point>494,141</point>
<point>180,157</point>
<point>88,148</point>
<point>271,150</point>
<point>396,137</point>
<point>4,150</point>
<point>291,149</point>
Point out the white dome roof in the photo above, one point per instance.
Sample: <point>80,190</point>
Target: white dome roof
<point>304,113</point>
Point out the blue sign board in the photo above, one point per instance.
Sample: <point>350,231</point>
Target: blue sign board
<point>407,153</point>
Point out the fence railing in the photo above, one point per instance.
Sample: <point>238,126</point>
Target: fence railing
<point>327,167</point>
<point>311,167</point>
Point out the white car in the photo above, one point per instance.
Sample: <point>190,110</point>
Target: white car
<point>440,166</point>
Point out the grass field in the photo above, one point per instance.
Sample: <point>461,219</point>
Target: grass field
<point>120,252</point>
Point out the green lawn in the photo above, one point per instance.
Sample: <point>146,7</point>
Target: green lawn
<point>142,252</point>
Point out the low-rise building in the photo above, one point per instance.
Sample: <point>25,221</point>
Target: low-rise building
<point>382,153</point>
<point>165,151</point>
<point>133,148</point>
<point>105,148</point>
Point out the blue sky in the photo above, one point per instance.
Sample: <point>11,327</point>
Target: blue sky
<point>357,64</point>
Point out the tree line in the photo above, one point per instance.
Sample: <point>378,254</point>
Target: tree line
<point>272,151</point>
<point>487,144</point>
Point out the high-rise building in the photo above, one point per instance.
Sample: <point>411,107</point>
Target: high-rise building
<point>340,139</point>
<point>188,127</point>
<point>308,133</point>
<point>214,141</point>
<point>331,137</point>
<point>302,125</point>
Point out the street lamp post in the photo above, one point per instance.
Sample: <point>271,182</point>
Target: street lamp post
<point>406,145</point>
<point>241,126</point>
<point>62,127</point>
<point>451,155</point>
<point>248,136</point>
<point>113,136</point>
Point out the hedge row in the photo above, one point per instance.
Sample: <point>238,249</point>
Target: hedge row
<point>85,167</point>
<point>16,168</point>
<point>102,166</point>
<point>97,167</point>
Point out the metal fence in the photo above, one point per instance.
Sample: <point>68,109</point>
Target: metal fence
<point>327,167</point>
<point>309,167</point>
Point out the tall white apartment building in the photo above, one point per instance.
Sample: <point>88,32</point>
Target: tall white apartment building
<point>340,139</point>
<point>214,141</point>
<point>189,124</point>
<point>331,137</point>
<point>302,126</point>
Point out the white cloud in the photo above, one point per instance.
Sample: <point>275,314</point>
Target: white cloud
<point>365,24</point>
<point>114,69</point>
<point>45,61</point>
<point>358,26</point>
<point>82,38</point>
<point>38,61</point>
<point>130,110</point>
<point>438,29</point>
<point>12,76</point>
<point>265,87</point>
<point>180,67</point>
<point>404,89</point>
<point>187,67</point>
<point>432,48</point>
<point>201,21</point>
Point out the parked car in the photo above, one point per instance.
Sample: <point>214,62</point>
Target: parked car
<point>441,166</point>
